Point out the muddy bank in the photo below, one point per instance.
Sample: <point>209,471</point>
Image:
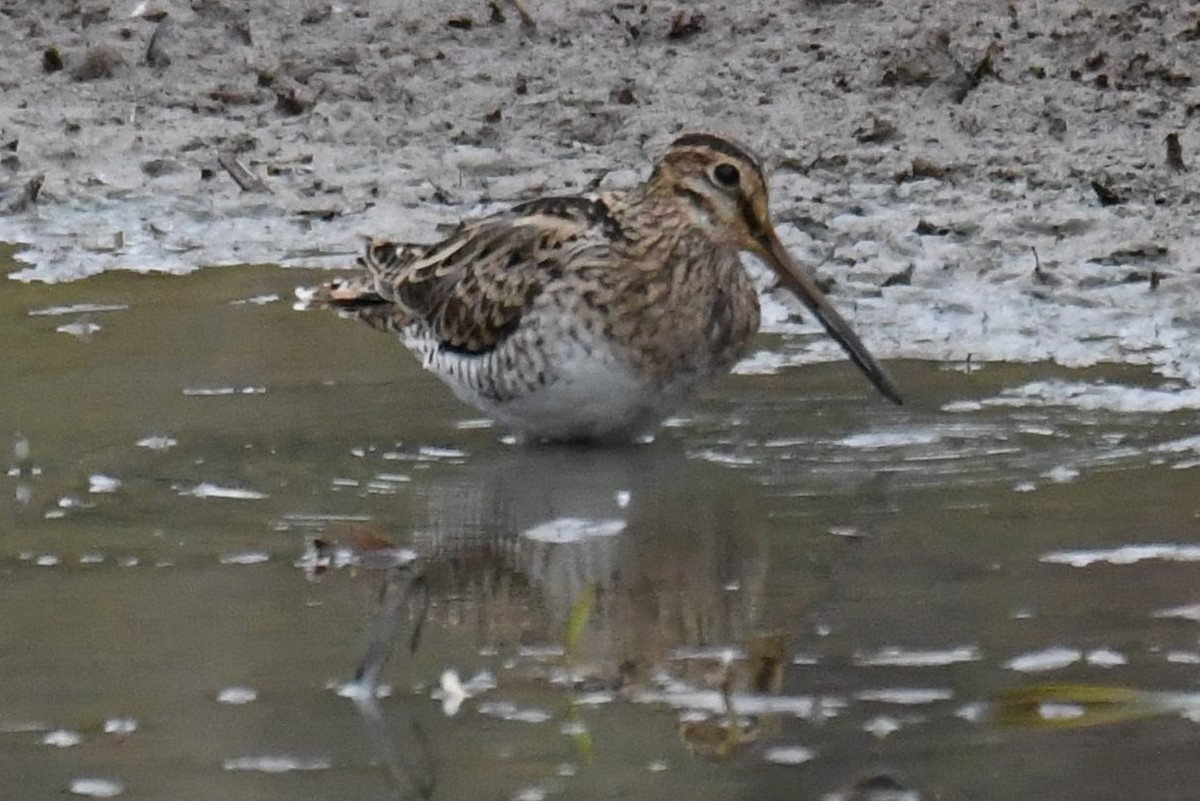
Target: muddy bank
<point>980,180</point>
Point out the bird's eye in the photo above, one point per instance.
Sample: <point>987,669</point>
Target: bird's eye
<point>726,175</point>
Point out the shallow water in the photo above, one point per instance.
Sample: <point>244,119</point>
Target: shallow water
<point>189,437</point>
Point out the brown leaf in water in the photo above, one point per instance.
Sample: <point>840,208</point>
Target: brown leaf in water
<point>366,540</point>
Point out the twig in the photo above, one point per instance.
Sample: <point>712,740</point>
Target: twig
<point>526,18</point>
<point>248,181</point>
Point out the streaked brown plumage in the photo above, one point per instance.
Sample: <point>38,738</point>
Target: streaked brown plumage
<point>592,318</point>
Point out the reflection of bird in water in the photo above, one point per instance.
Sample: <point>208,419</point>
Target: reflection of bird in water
<point>660,536</point>
<point>669,546</point>
<point>592,318</point>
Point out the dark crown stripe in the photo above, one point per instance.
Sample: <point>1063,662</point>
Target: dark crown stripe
<point>721,145</point>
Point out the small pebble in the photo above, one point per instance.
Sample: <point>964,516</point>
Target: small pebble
<point>101,61</point>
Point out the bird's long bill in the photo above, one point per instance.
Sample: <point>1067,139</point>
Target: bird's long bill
<point>797,279</point>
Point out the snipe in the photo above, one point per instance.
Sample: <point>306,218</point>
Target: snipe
<point>593,317</point>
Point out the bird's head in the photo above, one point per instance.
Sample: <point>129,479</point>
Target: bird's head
<point>720,187</point>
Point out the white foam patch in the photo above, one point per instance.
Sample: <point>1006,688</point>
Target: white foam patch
<point>1059,711</point>
<point>881,726</point>
<point>1182,445</point>
<point>763,362</point>
<point>62,738</point>
<point>244,558</point>
<point>205,392</point>
<point>206,490</point>
<point>237,695</point>
<point>474,423</point>
<point>596,698</point>
<point>81,329</point>
<point>707,653</point>
<point>318,519</point>
<point>121,726</point>
<point>359,691</point>
<point>906,696</point>
<point>1061,474</point>
<point>901,657</point>
<point>1049,659</point>
<point>257,300</point>
<point>713,703</point>
<point>1106,657</point>
<point>1190,612</point>
<point>975,712</point>
<point>573,529</point>
<point>277,763</point>
<point>505,710</point>
<point>77,308</point>
<point>727,459</point>
<point>789,755</point>
<point>452,691</point>
<point>99,484</point>
<point>437,452</point>
<point>95,787</point>
<point>895,438</point>
<point>23,726</point>
<point>1088,397</point>
<point>1124,555</point>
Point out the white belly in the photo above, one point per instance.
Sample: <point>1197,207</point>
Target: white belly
<point>596,403</point>
<point>590,394</point>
